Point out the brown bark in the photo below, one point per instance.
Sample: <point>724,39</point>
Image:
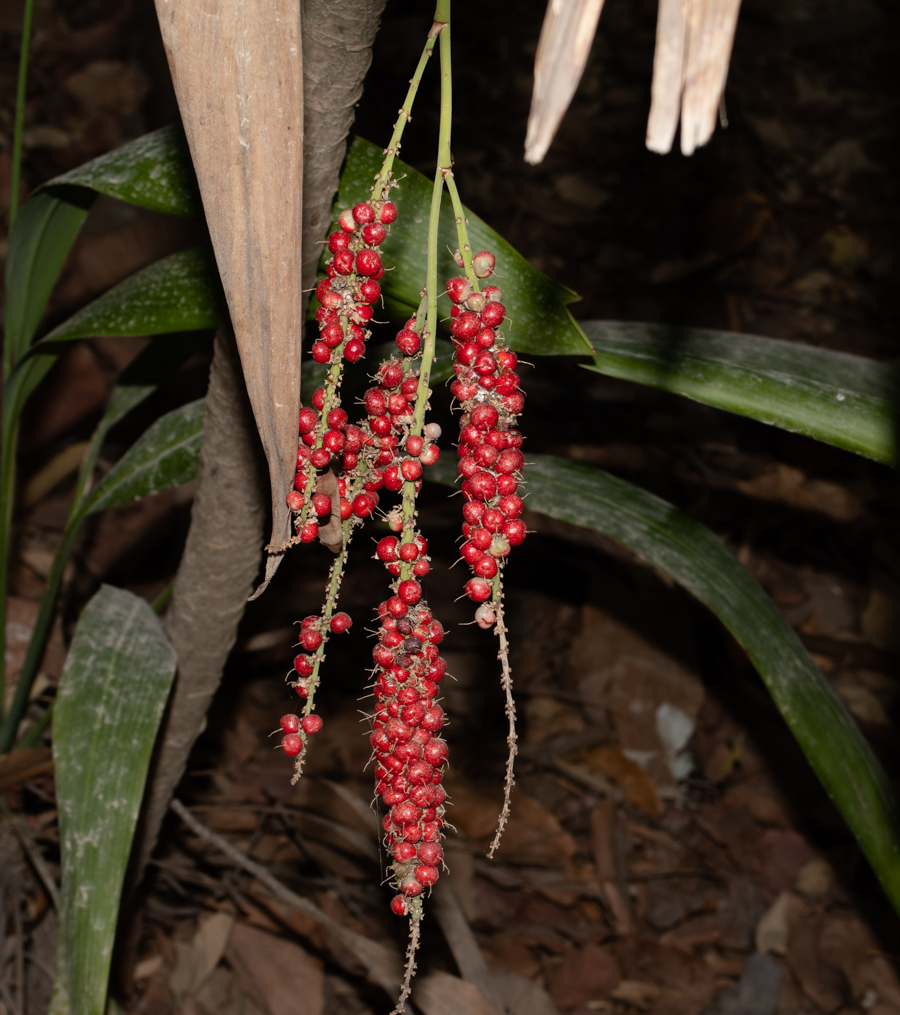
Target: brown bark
<point>216,575</point>
<point>237,72</point>
<point>337,51</point>
<point>223,553</point>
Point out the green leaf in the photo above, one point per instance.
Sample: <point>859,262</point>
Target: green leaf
<point>538,320</point>
<point>842,400</point>
<point>178,293</point>
<point>700,561</point>
<point>44,231</point>
<point>140,379</point>
<point>167,454</point>
<point>154,172</point>
<point>114,687</point>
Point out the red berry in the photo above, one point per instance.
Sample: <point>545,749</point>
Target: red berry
<point>388,213</point>
<point>391,374</point>
<point>363,213</point>
<point>295,499</point>
<point>308,420</point>
<point>478,590</point>
<point>430,454</point>
<point>374,234</point>
<point>309,532</point>
<point>290,723</point>
<point>492,315</point>
<point>363,505</point>
<point>483,486</point>
<point>410,469</point>
<point>310,640</point>
<point>368,263</point>
<point>399,905</point>
<point>346,220</point>
<point>430,853</point>
<point>427,875</point>
<point>408,342</point>
<point>340,623</point>
<point>343,262</point>
<point>467,325</point>
<point>409,591</point>
<point>485,566</point>
<point>338,241</point>
<point>320,457</point>
<point>320,352</point>
<point>507,485</point>
<point>410,886</point>
<point>484,417</point>
<point>404,851</point>
<point>292,744</point>
<point>311,724</point>
<point>387,549</point>
<point>514,531</point>
<point>435,752</point>
<point>459,289</point>
<point>333,440</point>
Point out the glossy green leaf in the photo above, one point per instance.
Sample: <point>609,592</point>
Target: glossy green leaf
<point>153,172</point>
<point>178,293</point>
<point>538,321</point>
<point>166,455</point>
<point>842,400</point>
<point>114,687</point>
<point>43,234</point>
<point>700,561</point>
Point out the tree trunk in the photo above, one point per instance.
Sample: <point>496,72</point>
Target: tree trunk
<point>222,556</point>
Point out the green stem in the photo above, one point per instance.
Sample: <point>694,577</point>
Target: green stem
<point>405,115</point>
<point>462,233</point>
<point>7,499</point>
<point>38,641</point>
<point>20,113</point>
<point>34,734</point>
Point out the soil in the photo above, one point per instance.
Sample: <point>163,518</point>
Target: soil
<point>670,850</point>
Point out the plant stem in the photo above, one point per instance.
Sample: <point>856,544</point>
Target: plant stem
<point>38,641</point>
<point>20,113</point>
<point>405,115</point>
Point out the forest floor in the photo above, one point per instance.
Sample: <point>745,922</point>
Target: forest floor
<point>670,851</point>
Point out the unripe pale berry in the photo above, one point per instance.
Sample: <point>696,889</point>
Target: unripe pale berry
<point>483,264</point>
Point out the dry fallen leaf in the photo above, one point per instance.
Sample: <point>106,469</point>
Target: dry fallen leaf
<point>635,783</point>
<point>277,971</point>
<point>197,958</point>
<point>783,484</point>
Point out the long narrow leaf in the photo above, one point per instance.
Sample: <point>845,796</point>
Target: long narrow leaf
<point>114,687</point>
<point>698,560</point>
<point>539,322</point>
<point>178,293</point>
<point>39,243</point>
<point>843,400</point>
<point>153,172</point>
<point>137,383</point>
<point>166,455</point>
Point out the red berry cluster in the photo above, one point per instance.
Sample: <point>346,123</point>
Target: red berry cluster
<point>346,297</point>
<point>490,456</point>
<point>409,753</point>
<point>297,730</point>
<point>397,456</point>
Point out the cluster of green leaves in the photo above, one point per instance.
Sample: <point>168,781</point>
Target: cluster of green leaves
<point>842,400</point>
